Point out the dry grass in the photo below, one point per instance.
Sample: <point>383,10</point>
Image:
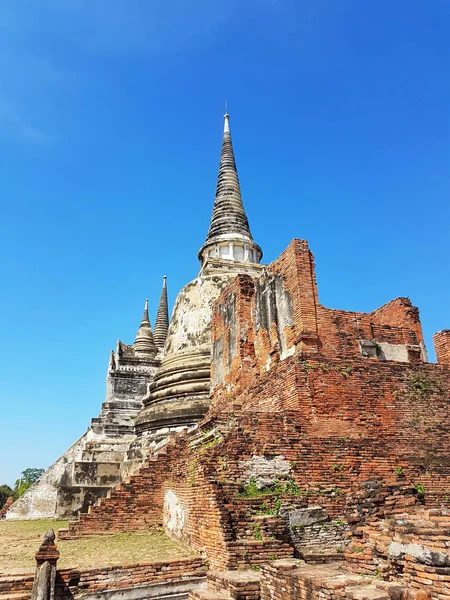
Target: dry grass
<point>20,540</point>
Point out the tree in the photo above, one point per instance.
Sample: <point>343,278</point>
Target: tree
<point>5,493</point>
<point>28,477</point>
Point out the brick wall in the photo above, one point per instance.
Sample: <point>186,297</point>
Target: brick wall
<point>17,585</point>
<point>441,341</point>
<point>256,324</point>
<point>358,438</point>
<point>171,489</point>
<point>299,413</point>
<point>413,547</point>
<point>71,583</point>
<point>293,580</point>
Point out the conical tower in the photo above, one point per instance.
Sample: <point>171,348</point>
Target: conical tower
<point>144,343</point>
<point>180,393</point>
<point>162,318</point>
<point>229,237</point>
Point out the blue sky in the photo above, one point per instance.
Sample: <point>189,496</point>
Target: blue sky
<point>110,132</point>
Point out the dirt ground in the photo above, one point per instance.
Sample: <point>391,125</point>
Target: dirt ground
<point>19,541</point>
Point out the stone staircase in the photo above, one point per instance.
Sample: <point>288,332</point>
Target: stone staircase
<point>114,511</point>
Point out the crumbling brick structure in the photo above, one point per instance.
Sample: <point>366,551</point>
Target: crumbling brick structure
<point>322,422</point>
<point>442,344</point>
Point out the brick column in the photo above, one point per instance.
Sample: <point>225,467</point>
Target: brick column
<point>47,550</point>
<point>45,574</point>
<point>441,341</point>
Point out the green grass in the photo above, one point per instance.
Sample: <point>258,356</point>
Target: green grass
<point>21,539</point>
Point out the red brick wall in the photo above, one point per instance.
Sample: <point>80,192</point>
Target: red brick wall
<point>360,437</point>
<point>71,583</point>
<point>296,265</point>
<point>238,346</point>
<point>399,313</point>
<point>441,341</point>
<point>280,314</point>
<point>16,584</point>
<point>353,421</point>
<point>292,580</point>
<point>138,503</point>
<point>421,555</point>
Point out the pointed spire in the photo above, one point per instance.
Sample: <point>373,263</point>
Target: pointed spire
<point>144,343</point>
<point>229,226</point>
<point>228,213</point>
<point>162,318</point>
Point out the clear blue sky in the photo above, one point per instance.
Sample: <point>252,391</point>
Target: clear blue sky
<point>110,131</point>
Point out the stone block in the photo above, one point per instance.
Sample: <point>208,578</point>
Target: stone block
<point>307,516</point>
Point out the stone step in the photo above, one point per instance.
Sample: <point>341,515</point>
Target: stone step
<point>366,592</point>
<point>207,594</point>
<point>235,584</point>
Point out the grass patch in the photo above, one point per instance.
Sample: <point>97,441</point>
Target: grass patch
<point>251,490</point>
<point>20,541</point>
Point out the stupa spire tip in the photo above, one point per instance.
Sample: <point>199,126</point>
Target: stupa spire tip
<point>226,119</point>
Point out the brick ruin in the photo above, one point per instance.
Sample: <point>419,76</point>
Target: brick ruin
<point>302,451</point>
<point>326,439</point>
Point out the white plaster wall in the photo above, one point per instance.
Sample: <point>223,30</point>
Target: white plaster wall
<point>190,325</point>
<point>40,500</point>
<point>265,471</point>
<point>174,514</point>
<point>398,352</point>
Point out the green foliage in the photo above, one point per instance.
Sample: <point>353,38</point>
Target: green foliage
<point>5,493</point>
<point>335,493</point>
<point>277,506</point>
<point>255,567</point>
<point>419,382</point>
<point>257,534</point>
<point>31,475</point>
<point>419,488</point>
<point>28,477</point>
<point>209,444</point>
<point>399,470</point>
<point>290,487</point>
<point>272,556</point>
<point>251,490</point>
<point>265,509</point>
